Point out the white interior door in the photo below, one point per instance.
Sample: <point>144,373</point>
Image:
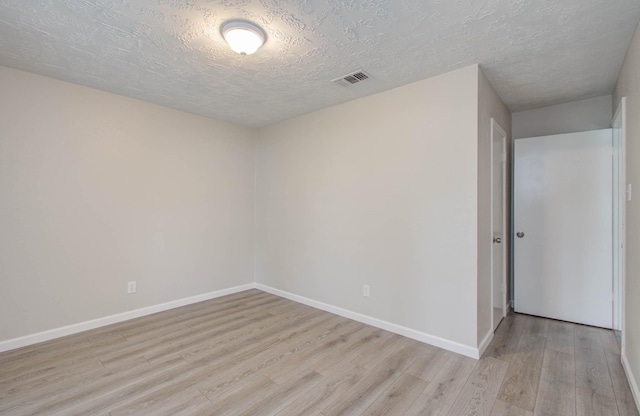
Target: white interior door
<point>498,222</point>
<point>563,227</point>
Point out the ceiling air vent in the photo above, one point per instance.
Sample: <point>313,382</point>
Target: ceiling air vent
<point>352,78</point>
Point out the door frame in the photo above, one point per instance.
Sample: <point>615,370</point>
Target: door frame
<point>619,216</point>
<point>496,130</point>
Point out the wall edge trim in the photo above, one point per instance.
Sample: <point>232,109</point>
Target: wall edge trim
<point>631,379</point>
<point>426,338</point>
<point>484,344</point>
<point>378,323</point>
<point>51,334</point>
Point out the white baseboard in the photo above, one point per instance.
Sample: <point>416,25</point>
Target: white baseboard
<point>112,319</point>
<point>378,323</point>
<point>485,343</point>
<point>632,380</point>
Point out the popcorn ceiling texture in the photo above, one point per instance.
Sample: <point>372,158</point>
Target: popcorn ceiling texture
<point>170,52</point>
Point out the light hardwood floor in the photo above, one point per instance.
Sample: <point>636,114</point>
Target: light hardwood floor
<point>253,353</point>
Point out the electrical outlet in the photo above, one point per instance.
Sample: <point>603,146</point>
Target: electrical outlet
<point>365,291</point>
<point>131,287</point>
<point>628,192</point>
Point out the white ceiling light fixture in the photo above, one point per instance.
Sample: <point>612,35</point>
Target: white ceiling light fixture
<point>243,37</point>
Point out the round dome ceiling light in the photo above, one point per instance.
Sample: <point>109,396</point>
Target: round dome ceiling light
<point>243,37</point>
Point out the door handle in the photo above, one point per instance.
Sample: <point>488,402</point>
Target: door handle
<point>497,240</point>
<point>520,234</point>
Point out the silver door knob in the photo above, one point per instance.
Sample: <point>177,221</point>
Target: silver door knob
<point>497,240</point>
<point>520,234</point>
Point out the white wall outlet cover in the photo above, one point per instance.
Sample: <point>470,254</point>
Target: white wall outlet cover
<point>365,291</point>
<point>629,192</point>
<point>131,287</point>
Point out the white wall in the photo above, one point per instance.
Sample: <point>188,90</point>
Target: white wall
<point>380,191</point>
<point>583,115</point>
<point>629,86</point>
<point>97,189</point>
<point>489,106</point>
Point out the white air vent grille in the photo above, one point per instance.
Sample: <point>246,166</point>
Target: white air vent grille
<point>352,78</point>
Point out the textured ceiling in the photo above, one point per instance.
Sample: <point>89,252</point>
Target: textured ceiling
<point>535,52</point>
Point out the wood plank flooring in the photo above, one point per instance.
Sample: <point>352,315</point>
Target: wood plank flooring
<point>253,353</point>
